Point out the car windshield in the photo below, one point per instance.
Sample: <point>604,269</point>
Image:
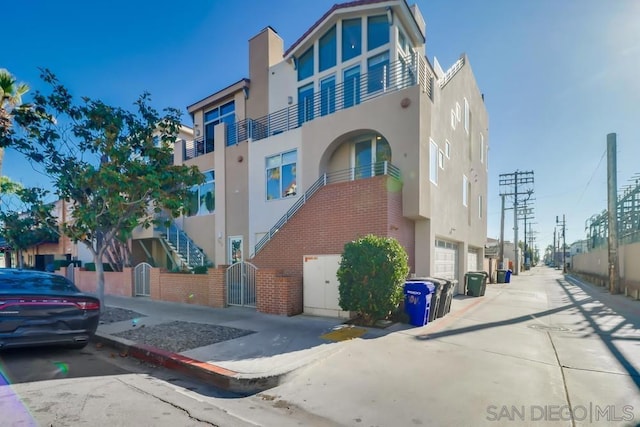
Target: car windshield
<point>38,283</point>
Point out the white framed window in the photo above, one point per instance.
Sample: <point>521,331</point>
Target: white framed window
<point>441,159</point>
<point>202,198</point>
<point>433,161</point>
<point>458,111</point>
<point>447,148</point>
<point>481,148</point>
<point>480,206</point>
<point>453,120</point>
<point>465,190</point>
<point>281,175</point>
<point>466,115</point>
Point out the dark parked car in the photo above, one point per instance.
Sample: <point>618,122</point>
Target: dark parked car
<point>38,308</point>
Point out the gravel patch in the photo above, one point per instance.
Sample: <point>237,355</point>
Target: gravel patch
<point>115,314</point>
<point>179,336</point>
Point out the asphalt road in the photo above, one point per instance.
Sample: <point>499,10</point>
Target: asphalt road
<point>97,386</point>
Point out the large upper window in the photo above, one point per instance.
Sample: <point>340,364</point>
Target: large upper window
<point>202,198</point>
<point>377,31</point>
<point>378,72</point>
<point>305,104</point>
<point>327,52</point>
<point>305,64</point>
<point>224,114</point>
<point>281,175</point>
<point>402,41</point>
<point>328,96</point>
<point>351,84</point>
<point>351,38</point>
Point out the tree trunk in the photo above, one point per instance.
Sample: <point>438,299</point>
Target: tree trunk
<point>100,278</point>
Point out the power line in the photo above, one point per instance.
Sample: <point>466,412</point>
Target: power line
<point>592,176</point>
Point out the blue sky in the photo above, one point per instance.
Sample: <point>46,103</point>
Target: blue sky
<point>558,75</point>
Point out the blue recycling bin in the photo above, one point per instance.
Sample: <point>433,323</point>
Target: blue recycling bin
<point>417,301</point>
<point>507,277</point>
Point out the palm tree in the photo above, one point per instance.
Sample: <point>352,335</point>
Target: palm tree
<point>10,96</point>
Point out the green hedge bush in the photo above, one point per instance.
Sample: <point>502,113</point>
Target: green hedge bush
<point>371,275</point>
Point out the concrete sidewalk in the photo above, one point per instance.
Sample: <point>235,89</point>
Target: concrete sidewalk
<point>254,362</point>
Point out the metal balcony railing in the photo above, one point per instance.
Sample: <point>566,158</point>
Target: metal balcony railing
<point>197,147</point>
<point>351,174</point>
<point>189,253</point>
<point>389,78</point>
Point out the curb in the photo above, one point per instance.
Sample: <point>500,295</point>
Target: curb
<point>216,375</point>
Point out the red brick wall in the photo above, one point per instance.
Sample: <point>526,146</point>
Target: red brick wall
<point>335,215</point>
<point>184,288</point>
<point>217,287</point>
<point>277,293</point>
<point>201,289</point>
<point>115,283</point>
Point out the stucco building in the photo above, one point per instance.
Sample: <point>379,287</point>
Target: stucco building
<point>349,130</point>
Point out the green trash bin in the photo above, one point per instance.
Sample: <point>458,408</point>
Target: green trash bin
<point>475,282</point>
<point>502,276</point>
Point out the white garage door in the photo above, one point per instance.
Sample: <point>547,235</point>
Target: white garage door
<point>472,260</point>
<point>446,260</point>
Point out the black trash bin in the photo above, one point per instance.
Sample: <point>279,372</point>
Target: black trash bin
<point>446,295</point>
<point>437,296</point>
<point>417,300</point>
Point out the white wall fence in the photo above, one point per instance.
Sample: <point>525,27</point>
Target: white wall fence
<point>594,266</point>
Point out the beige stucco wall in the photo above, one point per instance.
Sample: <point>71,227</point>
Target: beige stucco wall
<point>265,50</point>
<point>465,225</point>
<point>630,267</point>
<point>264,213</point>
<point>592,262</point>
<point>597,262</point>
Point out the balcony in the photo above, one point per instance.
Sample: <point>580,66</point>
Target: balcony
<point>389,78</point>
<point>197,147</point>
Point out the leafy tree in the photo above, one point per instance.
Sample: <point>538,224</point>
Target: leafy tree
<point>10,97</point>
<point>371,274</point>
<point>30,226</point>
<point>114,167</point>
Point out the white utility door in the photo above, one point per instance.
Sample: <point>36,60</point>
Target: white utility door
<point>472,260</point>
<point>321,295</point>
<point>446,260</point>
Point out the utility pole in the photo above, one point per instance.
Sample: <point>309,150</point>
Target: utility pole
<point>564,242</point>
<point>526,213</point>
<point>612,199</point>
<point>554,247</point>
<point>516,184</point>
<point>501,257</point>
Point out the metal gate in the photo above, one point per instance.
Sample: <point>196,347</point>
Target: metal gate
<point>142,283</point>
<point>241,284</point>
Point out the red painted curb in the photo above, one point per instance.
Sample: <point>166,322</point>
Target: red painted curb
<point>220,377</point>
